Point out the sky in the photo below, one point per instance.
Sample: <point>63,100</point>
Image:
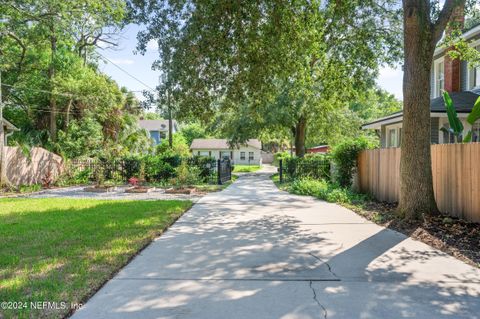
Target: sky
<point>140,66</point>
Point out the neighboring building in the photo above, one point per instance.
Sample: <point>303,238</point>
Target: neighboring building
<point>318,149</point>
<point>248,153</point>
<point>8,129</point>
<point>459,78</point>
<point>157,129</point>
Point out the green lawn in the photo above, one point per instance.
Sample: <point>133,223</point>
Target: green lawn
<point>246,168</point>
<point>65,249</point>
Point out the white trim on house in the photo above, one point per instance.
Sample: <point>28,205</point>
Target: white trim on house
<point>470,70</point>
<point>394,118</point>
<point>396,129</point>
<point>437,89</point>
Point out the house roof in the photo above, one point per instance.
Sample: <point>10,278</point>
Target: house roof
<point>156,125</point>
<point>9,125</point>
<point>220,144</point>
<point>463,102</point>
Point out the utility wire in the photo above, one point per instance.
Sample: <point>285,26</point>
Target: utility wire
<point>126,72</point>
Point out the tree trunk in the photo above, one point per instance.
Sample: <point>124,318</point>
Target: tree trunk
<point>416,182</point>
<point>300,133</point>
<point>53,99</point>
<point>67,116</point>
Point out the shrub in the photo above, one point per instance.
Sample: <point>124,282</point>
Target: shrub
<point>206,166</point>
<point>345,155</point>
<point>186,175</point>
<point>156,168</point>
<point>132,166</point>
<point>280,155</point>
<point>310,187</point>
<point>179,146</point>
<point>324,190</point>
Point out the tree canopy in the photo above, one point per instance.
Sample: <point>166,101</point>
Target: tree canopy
<point>277,63</point>
<point>51,84</point>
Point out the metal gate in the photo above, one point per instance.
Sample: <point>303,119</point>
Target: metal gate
<point>224,171</point>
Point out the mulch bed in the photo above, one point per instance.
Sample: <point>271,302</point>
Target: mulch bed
<point>454,236</point>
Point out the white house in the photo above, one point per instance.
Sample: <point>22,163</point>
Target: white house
<point>245,154</point>
<point>157,129</point>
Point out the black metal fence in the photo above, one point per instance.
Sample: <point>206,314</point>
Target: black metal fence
<point>153,169</point>
<point>313,167</point>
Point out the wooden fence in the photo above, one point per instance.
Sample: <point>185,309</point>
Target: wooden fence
<point>33,168</point>
<point>456,177</point>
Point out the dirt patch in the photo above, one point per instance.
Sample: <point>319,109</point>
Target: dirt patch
<point>451,235</point>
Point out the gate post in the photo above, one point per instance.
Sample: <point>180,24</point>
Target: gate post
<point>281,170</point>
<point>219,177</point>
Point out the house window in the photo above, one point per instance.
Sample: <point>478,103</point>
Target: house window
<point>447,136</point>
<point>242,156</point>
<point>250,156</point>
<point>392,137</point>
<point>203,153</point>
<point>225,155</point>
<point>439,78</point>
<point>155,136</point>
<point>474,75</point>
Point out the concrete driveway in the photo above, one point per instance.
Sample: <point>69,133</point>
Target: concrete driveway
<point>252,251</point>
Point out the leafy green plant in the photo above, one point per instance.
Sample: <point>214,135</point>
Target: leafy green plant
<point>280,156</point>
<point>29,188</point>
<point>186,175</point>
<point>456,126</point>
<point>205,164</point>
<point>325,190</point>
<point>345,155</point>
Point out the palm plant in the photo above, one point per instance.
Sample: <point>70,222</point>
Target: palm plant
<point>456,126</point>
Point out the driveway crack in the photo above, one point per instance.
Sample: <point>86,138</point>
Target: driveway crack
<point>326,264</point>
<point>325,313</point>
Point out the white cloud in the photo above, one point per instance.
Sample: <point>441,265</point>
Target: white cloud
<point>123,61</point>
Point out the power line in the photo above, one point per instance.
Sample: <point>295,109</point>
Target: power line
<point>126,72</point>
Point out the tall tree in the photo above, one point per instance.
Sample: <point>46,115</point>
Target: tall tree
<point>241,56</point>
<point>59,24</point>
<point>424,25</point>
